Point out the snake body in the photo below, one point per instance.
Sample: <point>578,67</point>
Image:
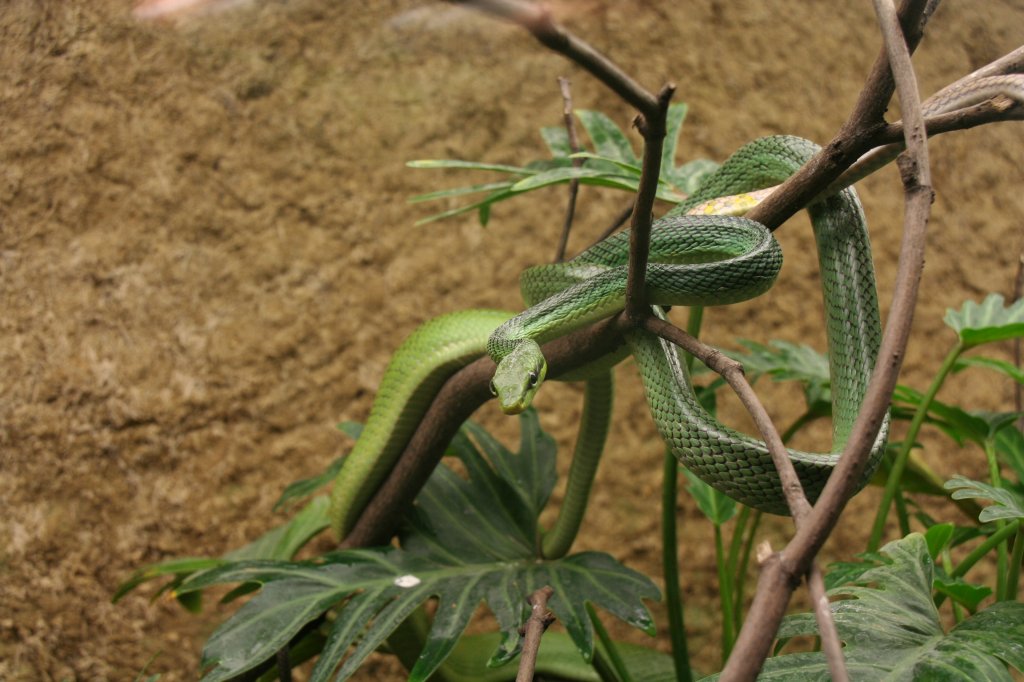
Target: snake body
<point>694,260</point>
<point>713,260</point>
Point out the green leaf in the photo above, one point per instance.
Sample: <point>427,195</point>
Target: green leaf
<point>960,590</point>
<point>173,567</point>
<point>1006,503</point>
<point>1002,366</point>
<point>608,139</point>
<point>990,320</point>
<point>689,176</point>
<point>284,541</point>
<point>937,537</point>
<point>958,424</point>
<point>1010,446</point>
<point>557,140</point>
<point>465,542</point>
<point>892,631</point>
<point>307,486</point>
<point>469,165</point>
<point>584,174</point>
<point>785,361</point>
<point>673,128</point>
<point>460,191</point>
<point>718,507</point>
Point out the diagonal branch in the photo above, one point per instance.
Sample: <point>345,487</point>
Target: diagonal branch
<point>574,184</point>
<point>781,571</point>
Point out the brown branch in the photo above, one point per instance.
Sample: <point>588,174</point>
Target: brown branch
<point>539,621</point>
<point>460,396</point>
<point>538,21</point>
<point>574,184</point>
<point>781,572</point>
<point>732,372</point>
<point>652,127</point>
<point>830,642</point>
<point>854,137</point>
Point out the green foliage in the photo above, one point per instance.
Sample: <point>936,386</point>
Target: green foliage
<point>466,542</point>
<point>892,630</point>
<point>1007,504</point>
<point>611,162</point>
<point>988,321</point>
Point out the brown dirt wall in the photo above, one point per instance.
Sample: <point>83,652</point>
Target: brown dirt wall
<point>207,256</point>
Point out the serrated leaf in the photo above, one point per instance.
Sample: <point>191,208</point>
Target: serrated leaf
<point>466,542</point>
<point>785,361</point>
<point>892,631</point>
<point>608,139</point>
<point>718,507</point>
<point>990,320</point>
<point>961,591</point>
<point>1002,366</point>
<point>1006,503</point>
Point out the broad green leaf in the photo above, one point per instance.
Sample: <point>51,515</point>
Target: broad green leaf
<point>1006,503</point>
<point>785,361</point>
<point>608,139</point>
<point>1002,366</point>
<point>718,507</point>
<point>465,542</point>
<point>990,320</point>
<point>469,165</point>
<point>892,631</point>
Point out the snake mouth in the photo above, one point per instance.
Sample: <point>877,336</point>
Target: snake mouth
<point>514,408</point>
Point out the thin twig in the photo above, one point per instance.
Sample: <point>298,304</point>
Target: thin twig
<point>732,372</point>
<point>1016,295</point>
<point>574,184</point>
<point>619,221</point>
<point>830,642</point>
<point>539,621</point>
<point>652,127</point>
<point>538,21</point>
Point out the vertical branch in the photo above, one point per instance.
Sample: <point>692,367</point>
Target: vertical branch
<point>539,621</point>
<point>651,124</point>
<point>574,184</point>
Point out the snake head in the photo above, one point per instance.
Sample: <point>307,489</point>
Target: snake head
<point>518,377</point>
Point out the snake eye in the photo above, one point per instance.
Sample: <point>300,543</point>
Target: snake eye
<point>494,389</point>
<point>533,379</point>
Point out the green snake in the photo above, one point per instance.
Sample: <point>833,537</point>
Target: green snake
<point>694,260</point>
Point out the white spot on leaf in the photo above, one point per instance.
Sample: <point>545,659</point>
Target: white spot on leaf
<point>407,581</point>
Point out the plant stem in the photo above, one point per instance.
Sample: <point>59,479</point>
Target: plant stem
<point>735,549</point>
<point>741,571</point>
<point>947,564</point>
<point>901,513</point>
<point>1002,553</point>
<point>725,592</point>
<point>1013,577</point>
<point>693,323</point>
<point>670,569</point>
<point>900,463</point>
<point>609,646</point>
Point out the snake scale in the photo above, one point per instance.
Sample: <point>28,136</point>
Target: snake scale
<point>694,260</point>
